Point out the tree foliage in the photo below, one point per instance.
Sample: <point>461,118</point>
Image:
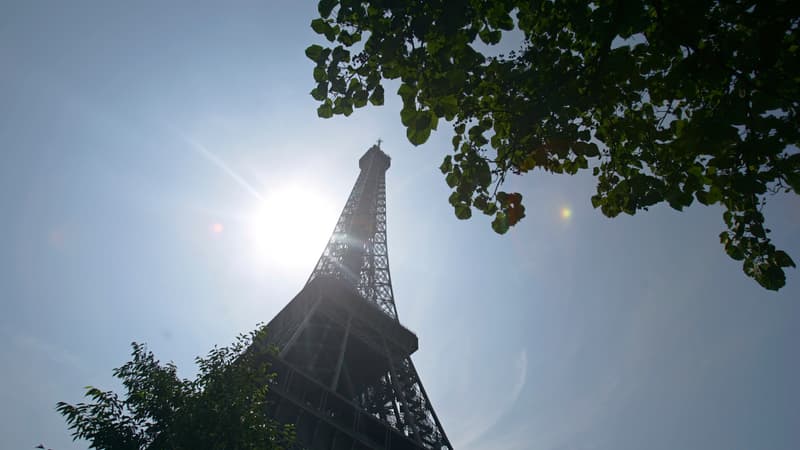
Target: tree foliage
<point>222,408</point>
<point>664,101</point>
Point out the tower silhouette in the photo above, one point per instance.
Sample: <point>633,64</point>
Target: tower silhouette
<point>344,375</point>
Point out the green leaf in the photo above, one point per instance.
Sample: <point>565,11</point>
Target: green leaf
<point>325,110</point>
<point>449,106</point>
<point>408,116</point>
<point>348,39</point>
<point>793,180</point>
<point>502,197</point>
<point>423,120</point>
<point>454,199</point>
<point>783,259</point>
<point>490,37</point>
<point>418,136</point>
<point>314,52</point>
<point>463,211</point>
<point>337,82</point>
<point>319,74</point>
<point>320,92</point>
<point>406,92</point>
<point>483,176</point>
<point>330,33</point>
<point>377,96</point>
<point>360,98</point>
<point>354,85</point>
<point>325,7</point>
<point>680,127</point>
<point>340,54</point>
<point>500,223</point>
<point>452,179</point>
<point>498,17</point>
<point>343,105</point>
<point>447,164</point>
<point>714,195</point>
<point>588,149</point>
<point>480,202</point>
<point>769,277</point>
<point>734,251</point>
<point>320,26</point>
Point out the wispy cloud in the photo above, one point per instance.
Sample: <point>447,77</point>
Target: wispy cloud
<point>217,161</point>
<point>32,344</point>
<point>492,418</point>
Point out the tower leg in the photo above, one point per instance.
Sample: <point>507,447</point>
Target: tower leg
<point>299,329</point>
<point>335,382</point>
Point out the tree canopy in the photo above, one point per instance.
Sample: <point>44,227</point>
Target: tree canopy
<point>222,408</point>
<point>664,101</point>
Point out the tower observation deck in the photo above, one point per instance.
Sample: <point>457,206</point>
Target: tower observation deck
<point>345,378</point>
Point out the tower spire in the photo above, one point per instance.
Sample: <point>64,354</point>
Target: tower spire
<point>356,250</point>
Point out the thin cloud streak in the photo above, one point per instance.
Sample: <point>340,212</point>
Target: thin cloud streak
<point>199,148</point>
<point>521,366</point>
<point>53,352</point>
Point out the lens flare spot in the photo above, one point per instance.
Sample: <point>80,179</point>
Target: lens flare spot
<point>217,228</point>
<point>56,238</point>
<point>566,213</point>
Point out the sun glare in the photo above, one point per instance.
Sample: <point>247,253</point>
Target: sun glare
<point>291,226</point>
<point>566,213</point>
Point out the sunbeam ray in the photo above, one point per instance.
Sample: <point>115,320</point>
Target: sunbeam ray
<point>217,161</point>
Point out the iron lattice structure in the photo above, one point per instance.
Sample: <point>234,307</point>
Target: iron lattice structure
<point>357,251</point>
<point>344,372</point>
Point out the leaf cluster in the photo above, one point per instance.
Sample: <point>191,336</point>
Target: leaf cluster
<point>224,407</point>
<point>666,101</point>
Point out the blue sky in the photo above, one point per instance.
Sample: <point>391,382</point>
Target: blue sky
<point>144,155</point>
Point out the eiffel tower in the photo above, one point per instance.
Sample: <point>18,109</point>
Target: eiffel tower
<point>344,375</point>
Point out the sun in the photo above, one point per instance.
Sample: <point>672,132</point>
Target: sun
<point>290,226</point>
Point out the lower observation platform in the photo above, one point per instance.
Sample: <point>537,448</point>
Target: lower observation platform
<point>336,353</point>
